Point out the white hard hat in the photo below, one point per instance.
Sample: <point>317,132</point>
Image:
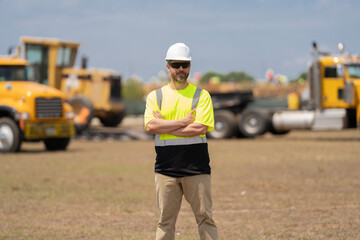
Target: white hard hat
<point>178,51</point>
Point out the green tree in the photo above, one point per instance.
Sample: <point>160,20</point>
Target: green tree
<point>133,89</point>
<point>238,77</point>
<point>207,76</point>
<point>301,78</point>
<point>230,77</point>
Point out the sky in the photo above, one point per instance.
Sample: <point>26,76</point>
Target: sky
<point>132,36</point>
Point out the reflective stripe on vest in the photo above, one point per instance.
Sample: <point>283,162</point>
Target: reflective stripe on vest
<point>179,141</point>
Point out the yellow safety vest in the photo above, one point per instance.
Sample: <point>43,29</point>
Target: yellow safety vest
<point>183,102</point>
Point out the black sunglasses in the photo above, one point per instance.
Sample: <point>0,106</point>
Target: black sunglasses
<point>177,65</point>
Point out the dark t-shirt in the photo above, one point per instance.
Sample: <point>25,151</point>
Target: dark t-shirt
<point>183,160</point>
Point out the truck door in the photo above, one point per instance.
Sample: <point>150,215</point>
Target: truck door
<point>332,87</point>
<point>37,56</point>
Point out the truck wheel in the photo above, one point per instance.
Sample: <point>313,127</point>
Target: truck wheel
<point>10,137</point>
<point>54,144</point>
<point>253,123</point>
<point>84,112</point>
<point>112,120</point>
<point>225,125</point>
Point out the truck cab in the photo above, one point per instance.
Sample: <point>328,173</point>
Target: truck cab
<point>340,78</point>
<point>30,111</point>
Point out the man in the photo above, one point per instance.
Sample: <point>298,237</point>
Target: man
<point>180,114</point>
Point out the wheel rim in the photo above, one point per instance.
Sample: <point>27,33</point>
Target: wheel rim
<point>219,126</point>
<point>219,129</point>
<point>252,124</point>
<point>6,137</point>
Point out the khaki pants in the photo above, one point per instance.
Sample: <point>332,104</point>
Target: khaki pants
<point>197,192</point>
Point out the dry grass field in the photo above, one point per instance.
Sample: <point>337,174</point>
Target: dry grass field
<point>305,185</point>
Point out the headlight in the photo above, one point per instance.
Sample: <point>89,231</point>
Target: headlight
<point>69,115</point>
<point>24,116</point>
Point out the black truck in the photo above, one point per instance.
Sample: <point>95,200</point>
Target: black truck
<point>240,114</point>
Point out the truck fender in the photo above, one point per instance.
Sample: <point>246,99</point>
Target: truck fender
<point>9,112</point>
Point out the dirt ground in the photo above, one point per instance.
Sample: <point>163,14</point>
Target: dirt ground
<point>305,185</point>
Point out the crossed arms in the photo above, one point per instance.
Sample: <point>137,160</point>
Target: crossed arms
<point>184,127</point>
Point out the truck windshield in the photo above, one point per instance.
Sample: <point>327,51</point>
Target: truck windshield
<point>13,73</point>
<point>353,70</point>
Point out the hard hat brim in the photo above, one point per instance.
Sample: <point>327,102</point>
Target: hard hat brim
<point>178,59</point>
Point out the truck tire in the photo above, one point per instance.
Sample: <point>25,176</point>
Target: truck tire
<point>253,122</point>
<point>84,112</point>
<point>225,125</point>
<point>10,136</point>
<point>112,120</point>
<point>56,144</point>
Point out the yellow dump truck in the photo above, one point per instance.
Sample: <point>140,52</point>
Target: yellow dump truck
<point>30,111</point>
<point>91,92</point>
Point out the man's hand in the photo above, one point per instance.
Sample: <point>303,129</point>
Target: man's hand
<point>157,114</point>
<point>189,118</point>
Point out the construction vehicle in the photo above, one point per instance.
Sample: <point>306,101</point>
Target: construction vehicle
<point>30,111</point>
<point>331,102</point>
<point>91,92</point>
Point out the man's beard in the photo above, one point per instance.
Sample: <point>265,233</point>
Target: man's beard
<point>180,77</point>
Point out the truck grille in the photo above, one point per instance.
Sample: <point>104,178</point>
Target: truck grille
<point>48,107</point>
